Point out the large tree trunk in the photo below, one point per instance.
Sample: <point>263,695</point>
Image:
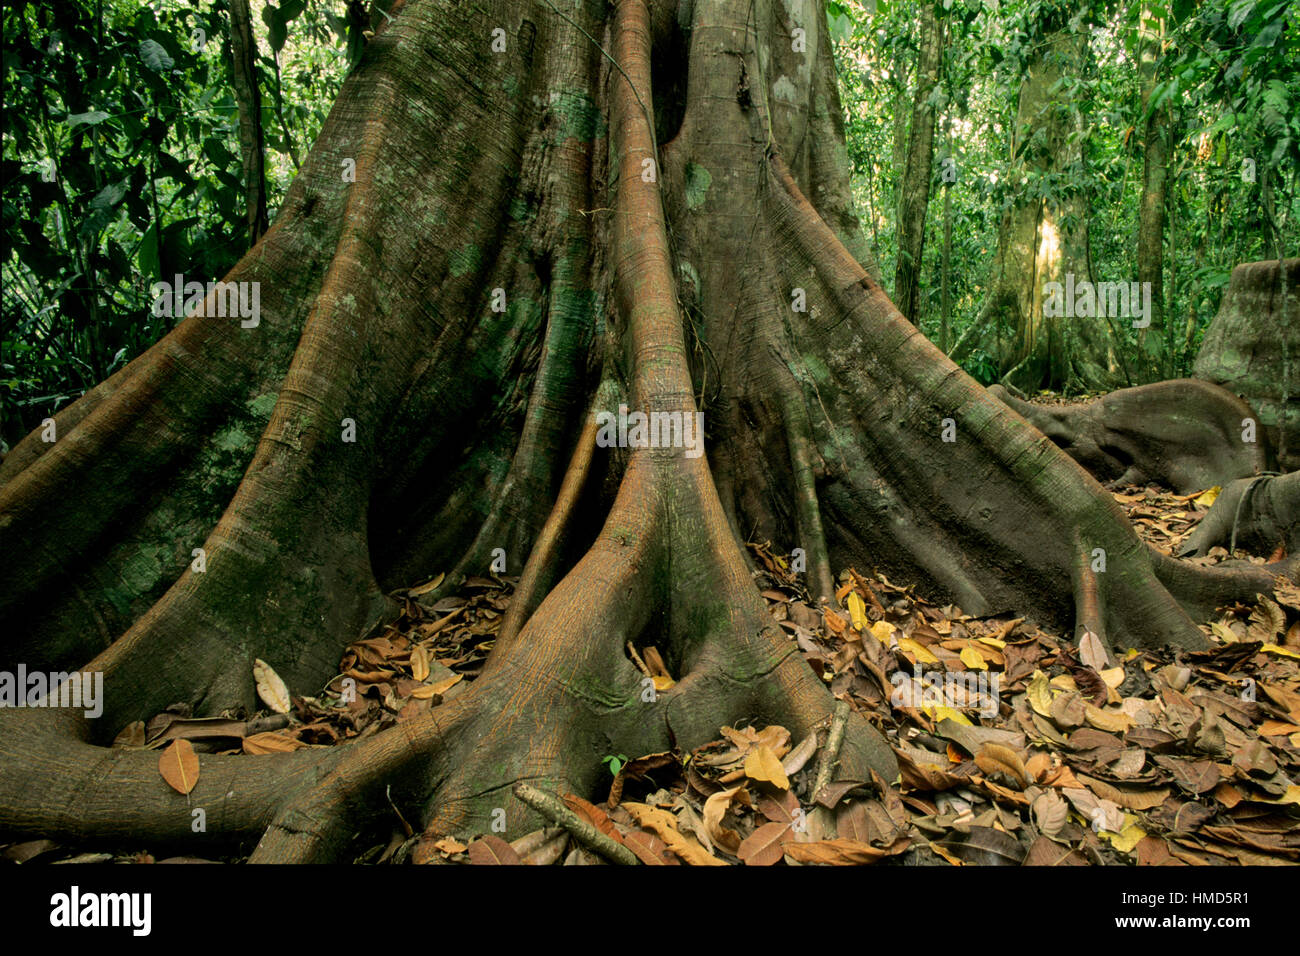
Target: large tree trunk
<point>651,236</point>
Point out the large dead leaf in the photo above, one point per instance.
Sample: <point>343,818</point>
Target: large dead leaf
<point>593,815</point>
<point>649,849</point>
<point>764,846</point>
<point>1126,797</point>
<point>179,766</point>
<point>762,765</point>
<point>985,846</point>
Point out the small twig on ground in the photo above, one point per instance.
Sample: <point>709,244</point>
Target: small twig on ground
<point>554,809</point>
<point>834,740</point>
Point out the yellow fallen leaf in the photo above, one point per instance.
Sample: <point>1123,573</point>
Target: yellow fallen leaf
<point>763,765</point>
<point>939,713</point>
<point>1277,649</point>
<point>973,659</point>
<point>426,587</point>
<point>271,742</point>
<point>955,861</point>
<point>1113,676</point>
<point>839,852</point>
<point>922,655</point>
<point>1039,694</point>
<point>883,631</point>
<point>1207,497</point>
<point>1277,728</point>
<point>662,682</point>
<point>1129,836</point>
<point>858,611</point>
<point>1111,721</point>
<point>1223,632</point>
<point>995,758</point>
<point>425,691</point>
<point>992,642</point>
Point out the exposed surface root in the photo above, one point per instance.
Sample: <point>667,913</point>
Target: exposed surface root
<point>1185,434</point>
<point>1259,514</point>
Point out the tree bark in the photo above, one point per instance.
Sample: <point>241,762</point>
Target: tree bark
<point>1154,340</point>
<point>915,186</point>
<point>243,72</point>
<point>1251,349</point>
<point>672,239</point>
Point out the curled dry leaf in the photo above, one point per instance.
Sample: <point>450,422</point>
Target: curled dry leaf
<point>179,766</point>
<point>796,759</point>
<point>541,847</point>
<point>715,808</point>
<point>664,825</point>
<point>1112,721</point>
<point>419,662</point>
<point>270,688</point>
<point>427,691</point>
<point>995,758</point>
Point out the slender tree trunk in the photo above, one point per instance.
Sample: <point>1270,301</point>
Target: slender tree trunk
<point>243,71</point>
<point>915,188</point>
<point>945,325</point>
<point>1156,149</point>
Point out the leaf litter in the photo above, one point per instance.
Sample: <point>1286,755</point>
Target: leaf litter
<point>1162,758</point>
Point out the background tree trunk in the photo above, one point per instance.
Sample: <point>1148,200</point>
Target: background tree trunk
<point>1044,238</point>
<point>915,186</point>
<point>1250,349</point>
<point>1156,140</point>
<point>243,72</point>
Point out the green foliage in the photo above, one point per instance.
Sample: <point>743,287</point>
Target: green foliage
<point>615,763</point>
<point>121,166</point>
<point>1226,75</point>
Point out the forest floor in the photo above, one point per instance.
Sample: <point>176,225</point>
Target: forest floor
<point>1015,746</point>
